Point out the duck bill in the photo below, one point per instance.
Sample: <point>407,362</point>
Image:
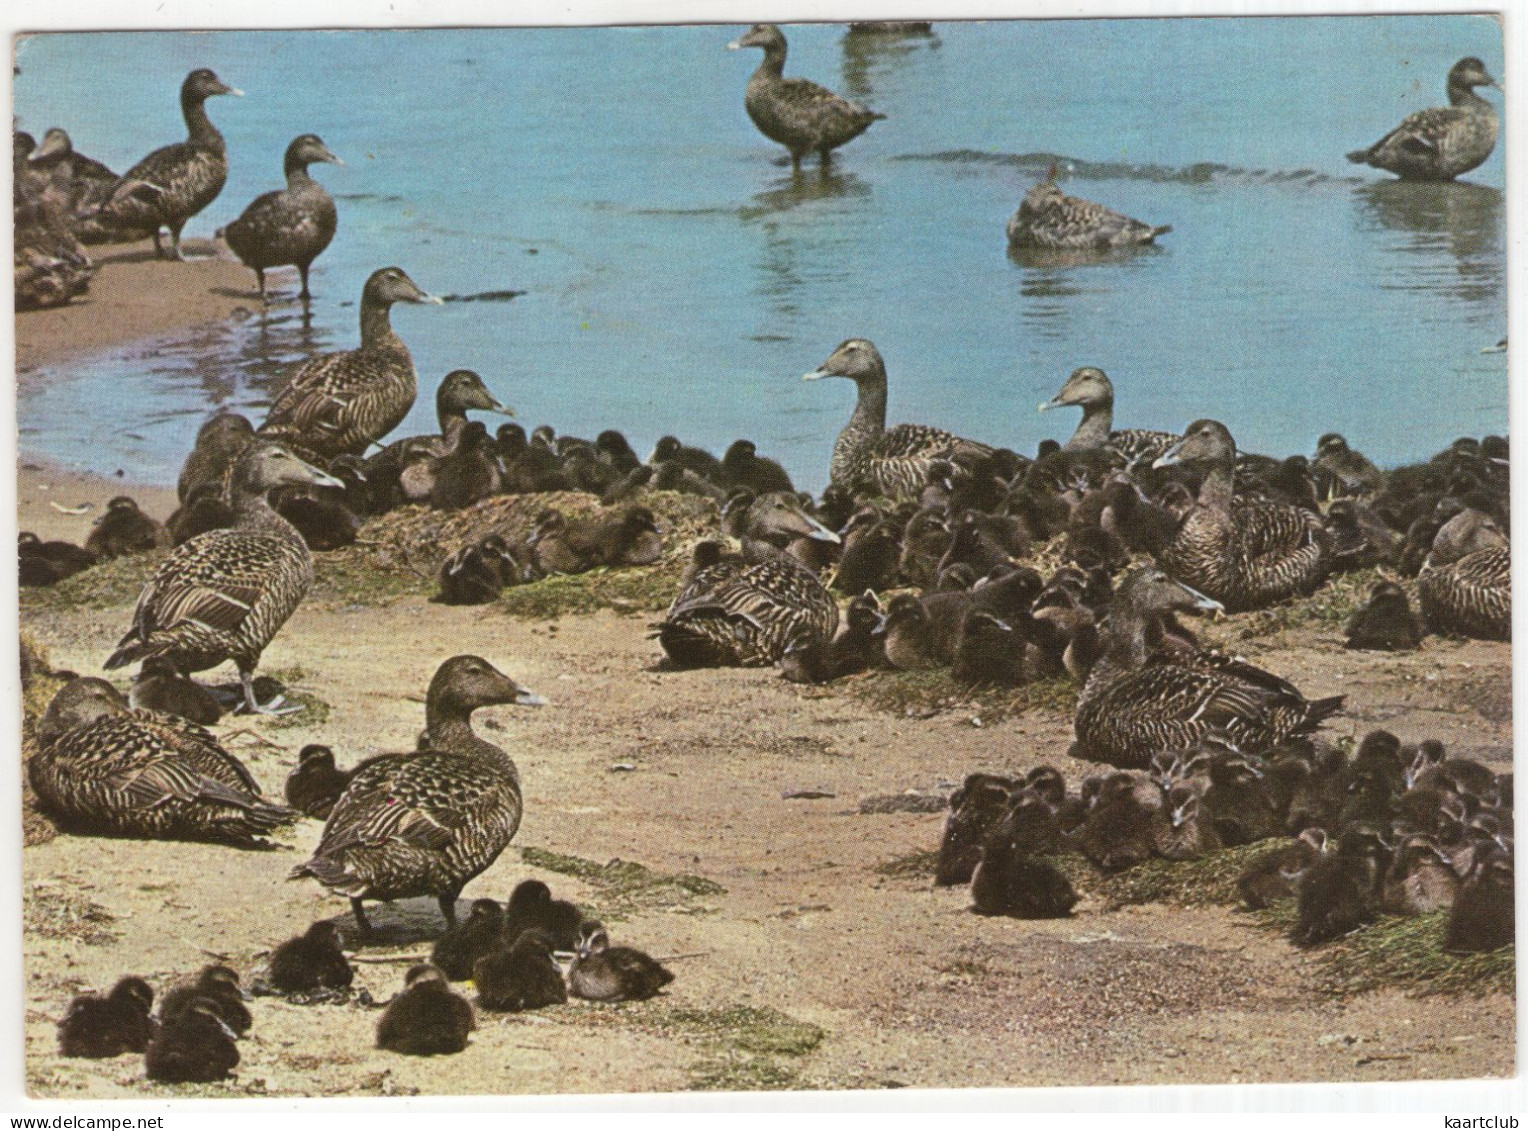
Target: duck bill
<point>816,530</point>
<point>1170,457</point>
<point>330,157</point>
<point>735,45</point>
<point>526,698</point>
<point>1208,604</point>
<point>817,374</point>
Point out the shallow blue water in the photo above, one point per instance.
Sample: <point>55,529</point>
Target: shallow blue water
<point>679,280</point>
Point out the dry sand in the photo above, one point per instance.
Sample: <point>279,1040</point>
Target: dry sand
<point>864,979</point>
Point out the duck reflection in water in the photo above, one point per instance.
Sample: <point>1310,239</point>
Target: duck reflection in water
<point>1465,219</point>
<point>873,49</point>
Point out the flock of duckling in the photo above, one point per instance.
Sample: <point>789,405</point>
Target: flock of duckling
<point>1149,525</point>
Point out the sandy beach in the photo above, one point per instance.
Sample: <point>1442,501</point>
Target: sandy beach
<point>819,955</point>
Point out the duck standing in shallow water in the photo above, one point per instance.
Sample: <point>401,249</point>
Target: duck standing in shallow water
<point>289,227</point>
<point>1050,220</point>
<point>225,594</point>
<point>427,822</point>
<point>894,462</point>
<point>173,184</point>
<point>797,113</point>
<point>340,403</point>
<point>1441,142</point>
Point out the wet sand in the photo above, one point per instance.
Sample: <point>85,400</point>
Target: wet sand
<point>815,965</point>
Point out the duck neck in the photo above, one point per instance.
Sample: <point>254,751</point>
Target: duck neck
<point>1463,96</point>
<point>297,175</point>
<point>1219,486</point>
<point>1094,428</point>
<point>377,327</point>
<point>773,66</point>
<point>200,128</point>
<point>253,512</point>
<point>1125,639</point>
<point>449,729</point>
<point>864,427</point>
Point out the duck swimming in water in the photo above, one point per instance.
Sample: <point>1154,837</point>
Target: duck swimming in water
<point>1049,219</point>
<point>340,403</point>
<point>797,113</point>
<point>894,462</point>
<point>289,227</point>
<point>181,179</point>
<point>1441,142</point>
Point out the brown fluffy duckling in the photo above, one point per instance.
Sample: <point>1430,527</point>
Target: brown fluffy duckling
<point>632,536</point>
<point>1008,881</point>
<point>988,650</point>
<point>1277,874</point>
<point>698,461</point>
<point>1341,891</point>
<point>477,573</point>
<point>1177,829</point>
<point>427,1018</point>
<point>909,635</point>
<point>742,466</point>
<point>320,515</point>
<point>196,1046</point>
<point>855,649</point>
<point>1237,803</point>
<point>315,783</point>
<point>602,972</point>
<point>216,984</point>
<point>1484,913</point>
<point>158,686</point>
<point>1118,833</point>
<point>314,960</point>
<point>1420,879</point>
<point>124,530</point>
<point>1386,622</point>
<point>47,563</point>
<point>457,951</point>
<point>468,473</point>
<point>119,1022</point>
<point>204,509</point>
<point>531,907</point>
<point>520,976</point>
<point>980,802</point>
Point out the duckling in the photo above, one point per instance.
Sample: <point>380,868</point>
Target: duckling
<point>531,907</point>
<point>616,450</point>
<point>1484,912</point>
<point>696,460</point>
<point>1440,143</point>
<point>468,473</point>
<point>1343,470</point>
<point>1237,804</point>
<point>159,687</point>
<point>1464,776</point>
<point>427,1018</point>
<point>205,509</point>
<point>194,1047</point>
<point>909,635</point>
<point>219,443</point>
<point>1277,874</point>
<point>742,466</point>
<point>631,536</point>
<point>975,807</point>
<point>1118,833</point>
<point>457,951</point>
<point>924,542</point>
<point>797,113</point>
<point>1008,881</point>
<point>217,985</point>
<point>671,476</point>
<point>97,1026</point>
<point>870,560</point>
<point>124,530</point>
<point>1420,879</point>
<point>312,961</point>
<point>291,226</point>
<point>520,976</point>
<point>1341,891</point>
<point>47,563</point>
<point>477,573</point>
<point>315,784</point>
<point>627,486</point>
<point>323,520</point>
<point>602,972</point>
<point>1386,622</point>
<point>854,649</point>
<point>1048,219</point>
<point>1177,829</point>
<point>988,650</point>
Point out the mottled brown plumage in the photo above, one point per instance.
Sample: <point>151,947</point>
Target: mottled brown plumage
<point>1471,596</point>
<point>289,227</point>
<point>1049,219</point>
<point>1441,142</point>
<point>1091,389</point>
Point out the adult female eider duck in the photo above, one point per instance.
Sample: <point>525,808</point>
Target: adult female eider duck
<point>750,609</point>
<point>1134,705</point>
<point>339,403</point>
<point>894,462</point>
<point>1091,389</point>
<point>797,113</point>
<point>1471,594</point>
<point>181,179</point>
<point>289,227</point>
<point>102,767</point>
<point>1245,553</point>
<point>92,183</point>
<point>1050,220</point>
<point>224,595</point>
<point>1441,142</point>
<point>427,822</point>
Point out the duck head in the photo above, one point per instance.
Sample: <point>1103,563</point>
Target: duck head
<point>1086,386</point>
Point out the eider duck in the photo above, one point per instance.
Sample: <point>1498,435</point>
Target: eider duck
<point>478,572</point>
<point>289,227</point>
<point>1341,892</point>
<point>1133,705</point>
<point>312,961</point>
<point>102,767</point>
<point>1386,622</point>
<point>1484,913</point>
<point>159,687</point>
<point>90,180</point>
<point>893,462</point>
<point>225,594</point>
<point>797,113</point>
<point>1091,389</point>
<point>1050,220</point>
<point>218,985</point>
<point>428,1018</point>
<point>531,907</point>
<point>219,444</point>
<point>1343,470</point>
<point>195,1047</point>
<point>184,177</point>
<point>339,403</point>
<point>602,972</point>
<point>97,1026</point>
<point>427,822</point>
<point>980,803</point>
<point>1244,553</point>
<point>520,975</point>
<point>1470,595</point>
<point>1421,879</point>
<point>737,612</point>
<point>457,951</point>
<point>124,530</point>
<point>1441,142</point>
<point>742,466</point>
<point>316,783</point>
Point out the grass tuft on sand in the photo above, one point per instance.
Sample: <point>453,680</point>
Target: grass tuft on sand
<point>919,694</point>
<point>623,888</point>
<point>1407,952</point>
<point>105,586</point>
<point>1329,607</point>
